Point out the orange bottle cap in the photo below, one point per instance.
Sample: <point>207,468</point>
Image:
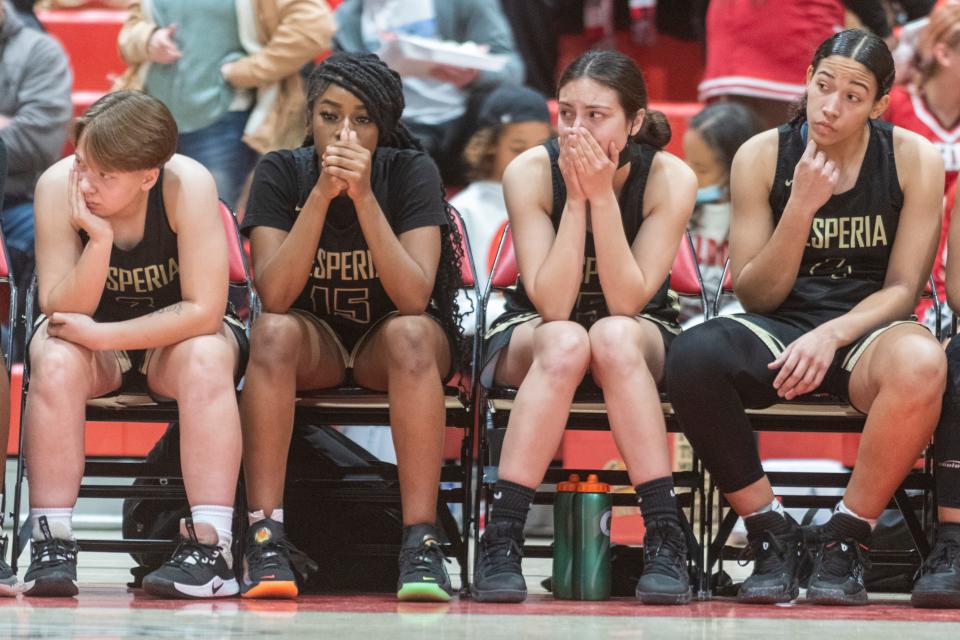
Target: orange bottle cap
<point>570,484</point>
<point>593,485</point>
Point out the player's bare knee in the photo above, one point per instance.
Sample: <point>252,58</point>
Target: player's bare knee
<point>57,365</point>
<point>275,341</point>
<point>915,370</point>
<point>408,343</point>
<point>614,346</point>
<point>562,351</point>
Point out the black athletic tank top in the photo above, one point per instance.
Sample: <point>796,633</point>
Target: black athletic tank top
<point>848,248</point>
<point>591,305</point>
<point>146,277</point>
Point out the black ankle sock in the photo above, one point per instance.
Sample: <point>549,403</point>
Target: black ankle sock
<point>767,521</point>
<point>657,500</point>
<point>841,526</point>
<point>511,502</point>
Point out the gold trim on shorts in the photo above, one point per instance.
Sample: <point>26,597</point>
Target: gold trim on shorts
<point>771,341</point>
<point>855,354</point>
<point>675,329</point>
<point>512,322</point>
<point>350,357</point>
<point>850,361</point>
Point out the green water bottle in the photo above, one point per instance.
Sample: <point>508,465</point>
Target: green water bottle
<point>592,511</point>
<point>563,538</point>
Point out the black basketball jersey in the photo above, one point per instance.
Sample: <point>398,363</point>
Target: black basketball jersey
<point>146,277</point>
<point>591,305</point>
<point>344,286</point>
<point>851,237</point>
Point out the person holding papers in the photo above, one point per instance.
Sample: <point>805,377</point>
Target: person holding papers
<point>442,100</point>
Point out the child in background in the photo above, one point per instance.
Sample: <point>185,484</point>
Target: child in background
<point>709,144</point>
<point>512,120</point>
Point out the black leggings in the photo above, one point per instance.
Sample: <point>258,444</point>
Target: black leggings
<point>715,371</point>
<point>946,440</point>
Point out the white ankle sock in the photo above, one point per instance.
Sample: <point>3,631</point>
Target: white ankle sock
<point>60,522</point>
<point>220,518</point>
<point>253,517</point>
<point>843,508</point>
<point>775,506</point>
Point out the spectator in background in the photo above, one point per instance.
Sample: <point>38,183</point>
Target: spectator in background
<point>908,38</point>
<point>229,72</point>
<point>709,144</point>
<point>512,119</point>
<point>441,108</point>
<point>535,30</point>
<point>743,65</point>
<point>35,106</point>
<point>929,104</point>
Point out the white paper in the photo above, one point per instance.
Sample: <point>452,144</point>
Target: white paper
<point>411,55</point>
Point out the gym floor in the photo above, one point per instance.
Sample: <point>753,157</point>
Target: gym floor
<point>105,608</point>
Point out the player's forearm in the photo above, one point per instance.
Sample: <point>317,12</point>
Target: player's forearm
<point>79,291</point>
<point>167,326</point>
<point>556,284</point>
<point>282,277</point>
<point>406,283</point>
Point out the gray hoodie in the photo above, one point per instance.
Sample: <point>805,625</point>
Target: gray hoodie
<point>35,82</point>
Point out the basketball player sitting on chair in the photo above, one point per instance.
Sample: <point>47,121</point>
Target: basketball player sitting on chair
<point>132,274</point>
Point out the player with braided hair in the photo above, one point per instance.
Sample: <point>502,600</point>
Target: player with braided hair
<point>358,264</point>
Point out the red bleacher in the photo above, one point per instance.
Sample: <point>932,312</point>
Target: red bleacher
<point>90,38</point>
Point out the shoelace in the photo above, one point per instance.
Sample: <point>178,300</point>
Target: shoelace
<point>665,549</point>
<point>424,557</point>
<point>54,552</point>
<point>835,562</point>
<point>502,552</point>
<point>943,557</point>
<point>283,552</point>
<point>767,551</point>
<point>191,548</point>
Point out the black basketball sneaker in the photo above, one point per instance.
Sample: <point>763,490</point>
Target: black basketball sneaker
<point>269,562</point>
<point>939,582</point>
<point>8,579</point>
<point>839,566</point>
<point>665,579</point>
<point>497,576</point>
<point>197,569</point>
<point>53,566</point>
<point>781,559</point>
<point>423,571</point>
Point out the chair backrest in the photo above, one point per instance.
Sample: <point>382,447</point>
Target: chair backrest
<point>239,273</point>
<point>504,272</point>
<point>468,272</point>
<point>685,277</point>
<point>494,247</point>
<point>4,261</point>
<point>684,274</point>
